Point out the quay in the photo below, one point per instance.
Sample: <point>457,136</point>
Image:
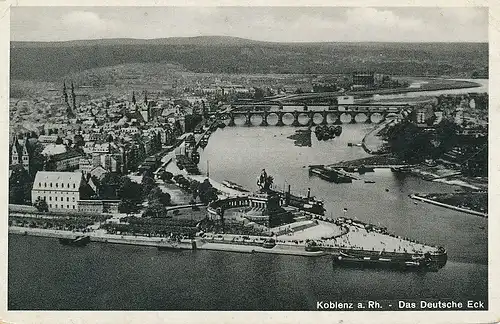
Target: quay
<point>331,237</point>
<point>331,174</point>
<point>437,203</point>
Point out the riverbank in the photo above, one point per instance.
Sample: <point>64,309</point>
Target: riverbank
<point>328,235</point>
<point>163,243</point>
<point>456,201</point>
<point>376,161</point>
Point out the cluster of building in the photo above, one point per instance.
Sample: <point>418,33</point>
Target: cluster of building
<point>91,138</point>
<point>468,114</point>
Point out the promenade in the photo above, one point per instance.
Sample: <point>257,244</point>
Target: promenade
<point>328,235</point>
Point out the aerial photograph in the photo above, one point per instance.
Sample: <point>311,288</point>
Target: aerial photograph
<point>248,158</point>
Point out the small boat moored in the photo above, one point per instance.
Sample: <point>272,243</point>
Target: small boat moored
<point>77,241</point>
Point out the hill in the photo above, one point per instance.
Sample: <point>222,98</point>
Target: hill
<point>219,54</point>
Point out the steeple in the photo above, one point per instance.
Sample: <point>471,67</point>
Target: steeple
<point>133,97</point>
<point>146,97</point>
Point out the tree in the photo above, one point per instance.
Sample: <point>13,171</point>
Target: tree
<point>37,158</point>
<point>59,141</point>
<point>259,94</point>
<point>207,193</point>
<point>166,176</point>
<point>155,209</point>
<point>129,193</point>
<point>409,143</point>
<point>79,142</point>
<point>20,184</point>
<point>147,183</point>
<point>127,207</point>
<point>194,187</point>
<point>156,195</point>
<point>109,186</point>
<point>41,205</point>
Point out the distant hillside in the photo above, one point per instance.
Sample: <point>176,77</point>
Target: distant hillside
<point>218,54</point>
<point>198,40</point>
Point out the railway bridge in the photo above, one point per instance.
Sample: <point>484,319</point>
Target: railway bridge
<point>309,116</point>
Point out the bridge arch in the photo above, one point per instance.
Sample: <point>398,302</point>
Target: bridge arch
<point>287,118</point>
<point>304,119</point>
<point>318,118</point>
<point>273,119</point>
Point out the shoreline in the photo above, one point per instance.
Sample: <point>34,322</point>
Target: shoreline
<point>195,244</point>
<point>437,203</point>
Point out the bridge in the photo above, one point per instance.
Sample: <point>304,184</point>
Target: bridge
<point>318,114</point>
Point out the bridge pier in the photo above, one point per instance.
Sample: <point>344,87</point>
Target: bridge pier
<point>264,119</point>
<point>248,122</point>
<point>384,116</point>
<point>311,118</point>
<point>368,119</point>
<point>353,118</point>
<point>295,119</point>
<point>324,114</point>
<point>280,119</point>
<point>231,120</point>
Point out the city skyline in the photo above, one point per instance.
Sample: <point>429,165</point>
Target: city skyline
<point>273,24</point>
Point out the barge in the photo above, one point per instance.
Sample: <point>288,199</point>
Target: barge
<point>329,175</point>
<point>233,185</point>
<point>404,261</point>
<point>76,241</point>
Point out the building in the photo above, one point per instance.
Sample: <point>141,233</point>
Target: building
<point>98,206</point>
<point>67,161</point>
<point>345,100</point>
<point>47,139</point>
<point>61,190</point>
<point>363,79</point>
<point>19,153</point>
<point>424,114</point>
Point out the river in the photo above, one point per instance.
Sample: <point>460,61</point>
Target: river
<point>46,275</point>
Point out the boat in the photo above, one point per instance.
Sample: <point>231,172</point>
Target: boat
<point>232,185</point>
<point>312,246</point>
<point>222,125</point>
<point>269,243</point>
<point>401,261</point>
<point>77,241</point>
<point>363,169</point>
<point>330,175</point>
<point>369,181</point>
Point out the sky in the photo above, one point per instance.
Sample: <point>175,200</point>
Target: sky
<point>276,24</point>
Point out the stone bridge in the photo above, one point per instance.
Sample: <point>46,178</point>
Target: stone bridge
<point>307,117</point>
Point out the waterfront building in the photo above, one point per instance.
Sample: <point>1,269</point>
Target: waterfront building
<point>61,190</point>
<point>98,206</point>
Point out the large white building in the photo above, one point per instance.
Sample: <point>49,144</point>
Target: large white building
<point>61,190</point>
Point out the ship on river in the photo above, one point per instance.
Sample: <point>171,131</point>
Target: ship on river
<point>75,241</point>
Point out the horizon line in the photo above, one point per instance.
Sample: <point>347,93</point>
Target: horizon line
<point>242,38</point>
